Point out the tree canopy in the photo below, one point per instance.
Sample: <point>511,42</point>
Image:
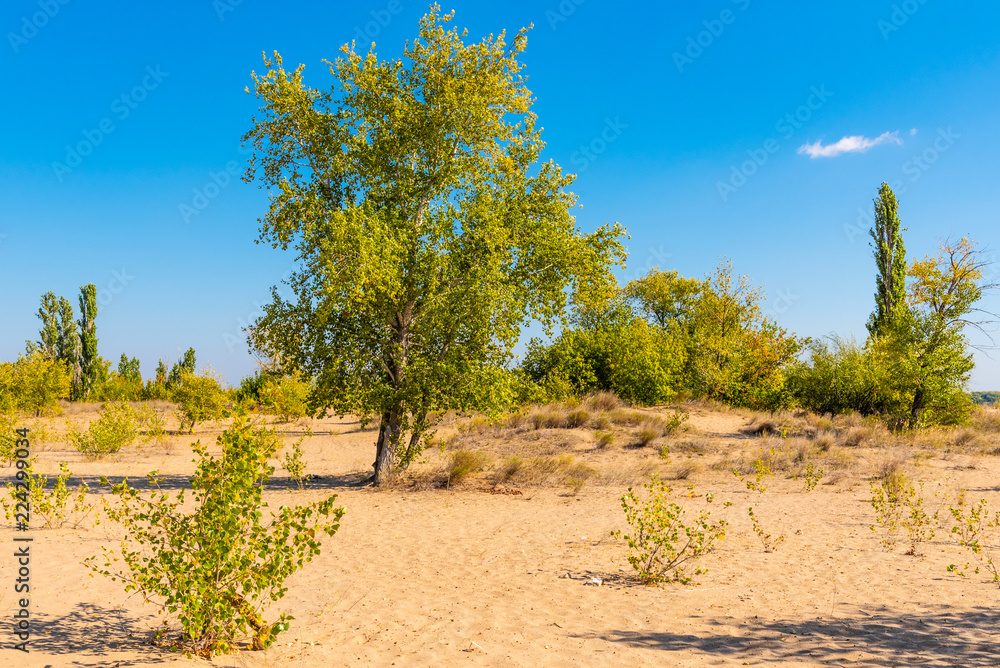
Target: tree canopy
<point>427,228</point>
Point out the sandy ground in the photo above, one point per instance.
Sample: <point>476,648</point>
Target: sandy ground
<point>463,577</point>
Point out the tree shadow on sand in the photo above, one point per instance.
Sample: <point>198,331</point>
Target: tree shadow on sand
<point>886,638</point>
<point>177,482</point>
<point>95,634</point>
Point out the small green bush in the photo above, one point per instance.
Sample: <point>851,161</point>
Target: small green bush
<point>217,565</point>
<point>200,397</point>
<point>58,507</point>
<point>116,427</point>
<point>660,541</point>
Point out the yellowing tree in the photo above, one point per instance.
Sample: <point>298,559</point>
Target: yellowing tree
<point>427,231</point>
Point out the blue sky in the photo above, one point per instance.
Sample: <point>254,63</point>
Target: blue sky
<point>684,123</point>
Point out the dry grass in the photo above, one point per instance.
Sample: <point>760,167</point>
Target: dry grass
<point>603,402</point>
<point>465,463</point>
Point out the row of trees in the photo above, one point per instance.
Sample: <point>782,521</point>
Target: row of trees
<point>62,339</point>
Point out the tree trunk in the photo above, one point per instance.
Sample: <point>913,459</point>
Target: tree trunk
<point>918,407</point>
<point>388,445</point>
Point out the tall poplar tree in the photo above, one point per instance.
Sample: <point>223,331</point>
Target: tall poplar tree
<point>890,260</point>
<point>427,231</point>
<point>88,340</point>
<point>57,338</point>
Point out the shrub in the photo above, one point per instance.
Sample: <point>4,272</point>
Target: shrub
<point>295,465</point>
<point>975,529</point>
<point>465,463</point>
<point>898,505</point>
<point>217,565</point>
<point>674,422</point>
<point>116,427</point>
<point>57,507</point>
<point>200,397</point>
<point>812,476</point>
<point>660,542</point>
<point>33,384</point>
<point>285,396</point>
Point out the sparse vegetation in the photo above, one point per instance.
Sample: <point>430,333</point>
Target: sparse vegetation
<point>216,565</point>
<point>660,541</point>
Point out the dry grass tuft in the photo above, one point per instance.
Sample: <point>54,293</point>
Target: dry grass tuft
<point>465,463</point>
<point>577,418</point>
<point>602,402</point>
<point>683,470</point>
<point>603,439</point>
<point>647,434</point>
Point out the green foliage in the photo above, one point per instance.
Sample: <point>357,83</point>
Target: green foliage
<point>286,396</point>
<point>428,232</point>
<point>985,398</point>
<point>200,398</point>
<point>843,377</point>
<point>186,365</point>
<point>762,471</point>
<point>33,384</point>
<point>614,352</point>
<point>899,505</point>
<point>976,530</point>
<point>89,374</point>
<point>58,337</point>
<point>217,565</point>
<point>675,422</point>
<point>890,260</point>
<point>812,476</point>
<point>294,464</point>
<point>661,542</point>
<point>57,507</point>
<point>118,426</point>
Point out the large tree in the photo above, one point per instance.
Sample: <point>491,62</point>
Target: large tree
<point>944,293</point>
<point>58,338</point>
<point>890,260</point>
<point>88,360</point>
<point>428,232</point>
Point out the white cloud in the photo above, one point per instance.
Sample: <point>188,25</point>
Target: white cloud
<point>854,144</point>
